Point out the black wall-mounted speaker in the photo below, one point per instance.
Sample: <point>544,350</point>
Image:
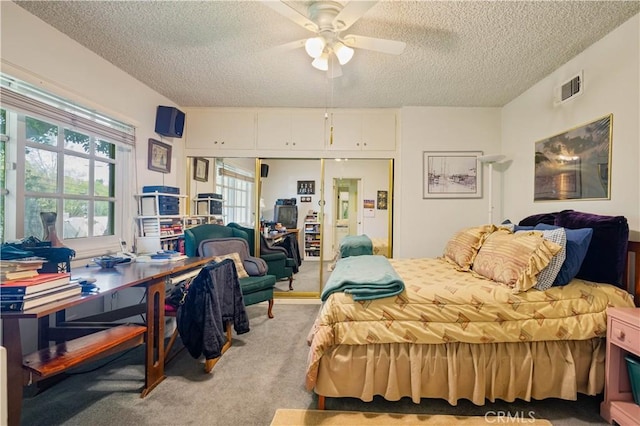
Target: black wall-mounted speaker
<point>169,121</point>
<point>264,170</point>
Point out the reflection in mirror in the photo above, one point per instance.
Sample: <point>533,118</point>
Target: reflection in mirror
<point>357,204</point>
<point>291,217</point>
<point>333,198</point>
<point>231,180</point>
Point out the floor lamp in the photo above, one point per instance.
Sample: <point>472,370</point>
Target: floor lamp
<point>491,160</point>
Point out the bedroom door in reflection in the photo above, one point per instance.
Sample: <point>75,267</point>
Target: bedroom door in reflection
<point>346,201</point>
<point>297,182</point>
<point>360,204</point>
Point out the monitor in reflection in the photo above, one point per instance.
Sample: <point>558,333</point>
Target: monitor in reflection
<point>286,215</point>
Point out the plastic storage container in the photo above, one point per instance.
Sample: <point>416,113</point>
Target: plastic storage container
<point>633,366</point>
<point>210,195</point>
<point>161,189</point>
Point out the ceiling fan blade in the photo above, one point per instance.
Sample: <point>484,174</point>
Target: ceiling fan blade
<point>391,47</point>
<point>351,12</point>
<point>292,14</point>
<point>286,47</point>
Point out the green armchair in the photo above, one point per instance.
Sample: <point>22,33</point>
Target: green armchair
<point>214,240</point>
<point>194,236</point>
<point>276,257</point>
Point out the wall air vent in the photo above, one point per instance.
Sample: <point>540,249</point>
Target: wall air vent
<point>568,90</point>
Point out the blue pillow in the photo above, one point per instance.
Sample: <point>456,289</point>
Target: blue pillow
<point>577,245</point>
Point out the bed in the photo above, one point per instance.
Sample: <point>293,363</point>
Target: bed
<point>379,246</point>
<point>455,333</point>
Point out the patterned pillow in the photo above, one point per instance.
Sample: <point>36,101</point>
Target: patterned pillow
<point>514,259</point>
<point>547,276</point>
<point>463,247</point>
<point>242,273</point>
<point>578,241</point>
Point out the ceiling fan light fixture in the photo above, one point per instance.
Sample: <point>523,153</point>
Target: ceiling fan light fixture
<point>344,53</point>
<point>314,46</point>
<point>321,62</point>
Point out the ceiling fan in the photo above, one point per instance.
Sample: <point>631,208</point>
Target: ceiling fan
<point>330,48</point>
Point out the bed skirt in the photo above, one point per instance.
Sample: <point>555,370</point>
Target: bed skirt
<point>454,371</point>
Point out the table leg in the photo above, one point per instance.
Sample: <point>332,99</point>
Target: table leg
<point>12,342</point>
<point>154,361</point>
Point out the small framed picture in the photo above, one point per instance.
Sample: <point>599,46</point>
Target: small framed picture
<point>306,187</point>
<point>159,156</point>
<point>382,200</point>
<point>200,169</point>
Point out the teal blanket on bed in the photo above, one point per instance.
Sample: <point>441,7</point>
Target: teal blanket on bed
<point>365,277</point>
<point>355,245</point>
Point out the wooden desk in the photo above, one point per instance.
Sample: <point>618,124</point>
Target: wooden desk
<point>150,276</point>
<point>274,238</point>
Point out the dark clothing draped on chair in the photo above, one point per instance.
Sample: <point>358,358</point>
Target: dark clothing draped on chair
<point>214,298</point>
<point>290,244</point>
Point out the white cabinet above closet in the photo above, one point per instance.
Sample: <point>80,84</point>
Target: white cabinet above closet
<point>362,131</point>
<point>207,129</point>
<point>301,129</point>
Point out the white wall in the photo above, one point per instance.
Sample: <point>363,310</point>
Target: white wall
<point>611,85</point>
<point>282,183</point>
<point>423,226</point>
<point>39,54</point>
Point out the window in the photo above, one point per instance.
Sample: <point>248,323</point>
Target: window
<point>70,172</point>
<point>236,187</point>
<point>64,161</point>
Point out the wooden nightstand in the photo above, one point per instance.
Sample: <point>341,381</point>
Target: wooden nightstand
<point>623,336</point>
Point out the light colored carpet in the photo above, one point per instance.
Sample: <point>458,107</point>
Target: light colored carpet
<point>286,417</point>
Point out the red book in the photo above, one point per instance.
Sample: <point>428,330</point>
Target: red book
<point>35,284</point>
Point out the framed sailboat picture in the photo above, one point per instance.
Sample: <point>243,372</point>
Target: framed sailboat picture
<point>451,174</point>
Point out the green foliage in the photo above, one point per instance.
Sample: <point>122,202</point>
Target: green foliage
<point>41,173</point>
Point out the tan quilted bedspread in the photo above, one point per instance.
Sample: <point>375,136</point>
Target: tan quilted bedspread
<point>442,305</point>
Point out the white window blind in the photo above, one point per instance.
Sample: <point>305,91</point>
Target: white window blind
<point>25,97</point>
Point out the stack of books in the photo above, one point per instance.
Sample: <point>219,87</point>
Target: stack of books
<point>27,293</point>
<point>20,268</point>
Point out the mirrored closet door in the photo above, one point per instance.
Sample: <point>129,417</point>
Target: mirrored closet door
<point>305,206</point>
<point>291,212</point>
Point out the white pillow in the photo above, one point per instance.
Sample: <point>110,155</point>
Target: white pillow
<point>547,276</point>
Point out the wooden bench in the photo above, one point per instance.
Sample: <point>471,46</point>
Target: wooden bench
<point>56,359</point>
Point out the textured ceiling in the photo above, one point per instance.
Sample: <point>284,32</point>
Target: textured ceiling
<point>225,53</point>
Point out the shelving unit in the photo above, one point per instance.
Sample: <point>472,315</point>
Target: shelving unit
<point>209,210</point>
<point>623,336</point>
<point>312,237</point>
<point>161,215</point>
